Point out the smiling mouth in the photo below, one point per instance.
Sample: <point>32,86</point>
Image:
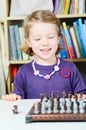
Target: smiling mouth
<point>46,50</point>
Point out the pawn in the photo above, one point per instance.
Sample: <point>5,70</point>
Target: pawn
<point>75,105</point>
<point>81,106</point>
<point>15,109</point>
<point>36,108</point>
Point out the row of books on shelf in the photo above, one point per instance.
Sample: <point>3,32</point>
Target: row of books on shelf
<point>69,6</point>
<point>16,38</point>
<point>74,39</point>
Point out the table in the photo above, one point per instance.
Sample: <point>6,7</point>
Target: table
<point>10,121</point>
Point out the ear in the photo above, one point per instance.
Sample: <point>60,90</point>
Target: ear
<point>28,42</point>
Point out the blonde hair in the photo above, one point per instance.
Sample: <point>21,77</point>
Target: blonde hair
<point>41,16</point>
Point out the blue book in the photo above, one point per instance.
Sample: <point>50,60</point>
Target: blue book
<point>17,41</point>
<point>12,46</point>
<point>78,38</point>
<point>81,36</point>
<point>63,52</point>
<point>69,41</point>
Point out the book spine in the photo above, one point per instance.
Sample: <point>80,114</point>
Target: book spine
<point>70,45</point>
<point>12,46</point>
<point>75,44</point>
<point>22,41</point>
<point>17,41</point>
<point>78,39</point>
<point>67,5</point>
<point>63,52</point>
<point>81,35</point>
<point>56,4</point>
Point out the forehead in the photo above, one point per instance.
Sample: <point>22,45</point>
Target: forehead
<point>41,27</point>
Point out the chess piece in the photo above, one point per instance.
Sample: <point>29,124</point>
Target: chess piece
<point>62,105</point>
<point>75,105</point>
<point>15,109</point>
<point>41,96</point>
<point>48,106</point>
<point>68,105</point>
<point>36,108</point>
<point>81,106</point>
<point>43,104</point>
<point>55,106</point>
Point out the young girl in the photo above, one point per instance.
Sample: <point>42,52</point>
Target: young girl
<point>46,72</point>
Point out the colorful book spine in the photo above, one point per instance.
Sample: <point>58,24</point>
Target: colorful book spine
<point>56,4</point>
<point>70,45</point>
<point>75,43</point>
<point>78,39</point>
<point>66,8</point>
<point>81,35</point>
<point>63,52</point>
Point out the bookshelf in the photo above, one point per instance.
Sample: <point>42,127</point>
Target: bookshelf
<point>7,21</point>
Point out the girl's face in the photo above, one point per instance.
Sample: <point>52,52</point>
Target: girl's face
<point>44,40</point>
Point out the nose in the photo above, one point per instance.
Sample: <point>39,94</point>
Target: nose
<point>44,41</point>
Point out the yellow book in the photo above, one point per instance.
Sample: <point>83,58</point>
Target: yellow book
<point>66,7</point>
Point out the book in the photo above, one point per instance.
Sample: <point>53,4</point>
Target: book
<point>12,44</point>
<point>81,36</point>
<point>56,5</point>
<point>22,40</point>
<point>74,6</point>
<point>61,7</point>
<point>63,52</point>
<point>69,41</point>
<point>81,6</point>
<point>17,41</point>
<point>67,6</point>
<point>78,39</point>
<point>75,43</point>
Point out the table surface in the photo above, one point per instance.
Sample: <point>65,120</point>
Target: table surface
<point>10,121</point>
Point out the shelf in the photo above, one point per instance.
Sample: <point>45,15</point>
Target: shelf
<point>16,18</point>
<point>19,62</point>
<point>62,16</point>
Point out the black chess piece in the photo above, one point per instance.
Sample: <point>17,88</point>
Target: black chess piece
<point>15,109</point>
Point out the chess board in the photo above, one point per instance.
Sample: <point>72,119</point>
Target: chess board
<point>53,117</point>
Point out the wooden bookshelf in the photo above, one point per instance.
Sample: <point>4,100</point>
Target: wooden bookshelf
<point>7,20</point>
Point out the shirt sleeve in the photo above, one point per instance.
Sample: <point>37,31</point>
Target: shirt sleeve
<point>19,84</point>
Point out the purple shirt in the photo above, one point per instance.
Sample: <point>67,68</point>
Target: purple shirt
<point>30,86</point>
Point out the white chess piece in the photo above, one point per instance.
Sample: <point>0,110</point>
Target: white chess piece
<point>81,106</point>
<point>55,106</point>
<point>68,105</point>
<point>43,105</point>
<point>36,110</point>
<point>62,105</point>
<point>75,106</point>
<point>48,105</point>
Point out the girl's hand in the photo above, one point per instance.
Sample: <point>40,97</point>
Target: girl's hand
<point>11,97</point>
<point>79,96</point>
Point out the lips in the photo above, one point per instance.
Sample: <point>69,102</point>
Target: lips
<point>46,50</point>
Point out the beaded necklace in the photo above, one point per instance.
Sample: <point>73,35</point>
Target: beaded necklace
<point>47,76</point>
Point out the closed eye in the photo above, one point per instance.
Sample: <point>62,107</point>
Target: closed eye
<point>37,39</point>
<point>51,37</point>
